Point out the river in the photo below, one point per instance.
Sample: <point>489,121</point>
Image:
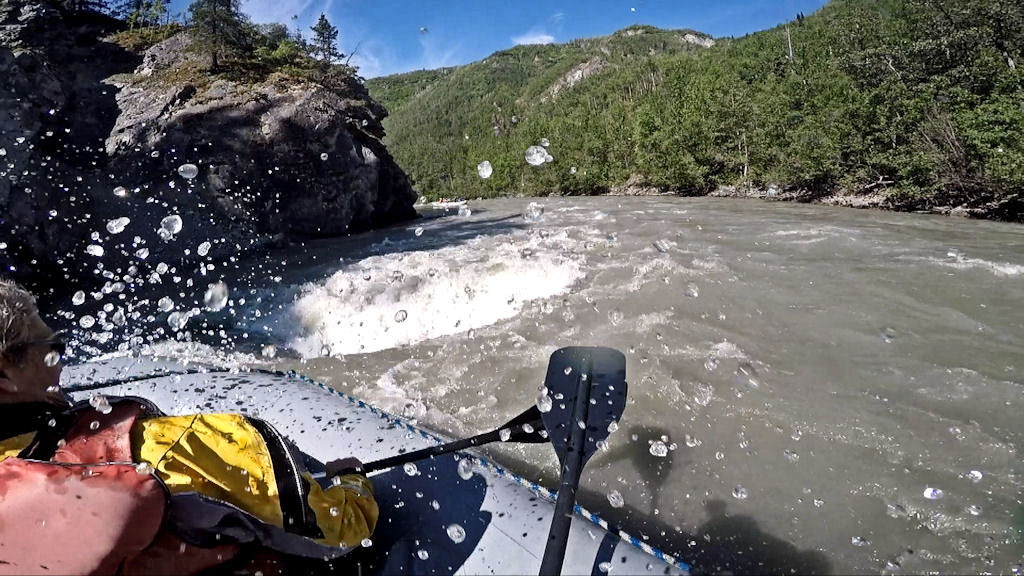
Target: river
<point>841,389</point>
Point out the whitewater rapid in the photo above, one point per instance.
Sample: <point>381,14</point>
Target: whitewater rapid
<point>841,389</point>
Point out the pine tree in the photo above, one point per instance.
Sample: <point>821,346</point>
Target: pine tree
<point>218,27</point>
<point>157,12</point>
<point>325,39</point>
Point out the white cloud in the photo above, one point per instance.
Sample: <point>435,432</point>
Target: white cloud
<point>534,36</point>
<point>437,54</point>
<point>368,63</point>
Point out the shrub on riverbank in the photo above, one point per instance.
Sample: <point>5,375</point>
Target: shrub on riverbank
<point>916,101</point>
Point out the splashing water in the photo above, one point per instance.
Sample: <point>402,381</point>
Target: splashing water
<point>456,532</point>
<point>188,171</point>
<point>534,213</point>
<point>535,155</point>
<point>466,468</point>
<point>117,225</point>
<point>615,499</point>
<point>216,297</point>
<point>484,169</point>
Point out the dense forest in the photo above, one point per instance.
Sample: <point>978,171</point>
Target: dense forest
<point>917,102</point>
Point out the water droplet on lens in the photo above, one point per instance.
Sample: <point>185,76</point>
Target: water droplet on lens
<point>534,213</point>
<point>544,142</point>
<point>484,169</point>
<point>94,250</point>
<point>739,493</point>
<point>401,315</point>
<point>974,510</point>
<point>177,320</point>
<point>887,335</point>
<point>78,298</point>
<point>615,499</point>
<point>269,351</point>
<point>504,434</point>
<point>615,316</point>
<point>691,441</point>
<point>604,567</point>
<point>94,425</point>
<point>544,403</point>
<point>711,363</point>
<point>171,225</point>
<point>613,426</point>
<point>216,296</point>
<point>933,493</point>
<point>859,541</point>
<point>791,455</point>
<point>144,468</point>
<point>204,249</point>
<point>117,225</point>
<point>120,191</point>
<point>87,322</point>
<point>410,469</point>
<point>52,358</point>
<point>975,475</point>
<point>422,554</point>
<point>456,533</point>
<point>659,449</point>
<point>535,155</point>
<point>464,211</point>
<point>466,468</point>
<point>366,543</point>
<point>165,304</point>
<point>188,171</point>
<point>418,231</point>
<point>323,156</point>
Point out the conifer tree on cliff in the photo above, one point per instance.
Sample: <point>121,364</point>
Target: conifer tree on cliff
<point>325,39</point>
<point>218,27</point>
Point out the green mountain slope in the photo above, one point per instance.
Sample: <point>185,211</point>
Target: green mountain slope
<point>918,103</point>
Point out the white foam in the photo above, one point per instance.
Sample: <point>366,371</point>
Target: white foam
<point>443,292</point>
<point>997,268</point>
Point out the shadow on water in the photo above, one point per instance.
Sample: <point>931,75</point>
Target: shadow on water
<point>723,543</point>
<point>320,257</point>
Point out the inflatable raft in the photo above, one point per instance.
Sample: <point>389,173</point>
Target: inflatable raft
<point>452,514</point>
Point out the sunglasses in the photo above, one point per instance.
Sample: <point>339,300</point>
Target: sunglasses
<point>55,342</point>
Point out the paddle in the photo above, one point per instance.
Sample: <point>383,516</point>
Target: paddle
<point>527,428</point>
<point>587,386</point>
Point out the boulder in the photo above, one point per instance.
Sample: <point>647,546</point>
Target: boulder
<point>91,133</point>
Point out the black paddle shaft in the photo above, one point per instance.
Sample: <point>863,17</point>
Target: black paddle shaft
<point>526,427</point>
<point>588,391</point>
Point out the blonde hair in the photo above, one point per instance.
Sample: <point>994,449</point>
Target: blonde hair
<point>17,307</point>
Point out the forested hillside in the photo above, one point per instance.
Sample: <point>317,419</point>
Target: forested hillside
<point>919,103</point>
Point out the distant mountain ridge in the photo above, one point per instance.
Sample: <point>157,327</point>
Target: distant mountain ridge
<point>904,104</point>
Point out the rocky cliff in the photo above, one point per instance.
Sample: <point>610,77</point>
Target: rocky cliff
<point>103,150</point>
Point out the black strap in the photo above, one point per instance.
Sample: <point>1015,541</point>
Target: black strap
<point>292,487</point>
<point>51,431</point>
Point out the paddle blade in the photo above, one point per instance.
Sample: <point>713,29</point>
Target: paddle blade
<point>599,375</point>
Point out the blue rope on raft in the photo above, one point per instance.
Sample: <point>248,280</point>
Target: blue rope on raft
<point>537,489</point>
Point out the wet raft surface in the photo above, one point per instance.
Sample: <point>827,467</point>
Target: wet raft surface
<point>435,518</point>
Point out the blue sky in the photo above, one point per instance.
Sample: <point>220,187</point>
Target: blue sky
<point>402,35</point>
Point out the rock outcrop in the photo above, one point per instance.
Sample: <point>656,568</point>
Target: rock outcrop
<point>92,137</point>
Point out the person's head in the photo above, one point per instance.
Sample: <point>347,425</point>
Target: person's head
<point>29,350</point>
